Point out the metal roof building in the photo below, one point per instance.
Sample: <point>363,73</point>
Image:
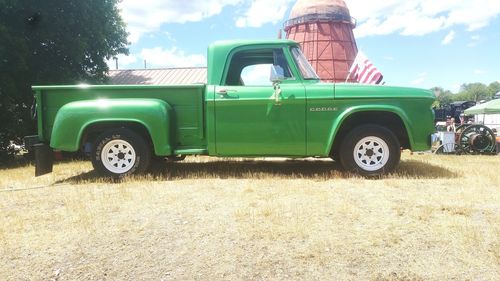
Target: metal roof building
<point>161,76</point>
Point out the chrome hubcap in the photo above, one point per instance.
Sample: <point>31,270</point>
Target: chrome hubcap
<point>118,156</point>
<point>371,153</point>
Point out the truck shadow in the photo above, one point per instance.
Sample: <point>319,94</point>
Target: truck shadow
<point>291,169</point>
<point>255,169</point>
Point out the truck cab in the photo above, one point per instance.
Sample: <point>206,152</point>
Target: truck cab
<point>258,99</point>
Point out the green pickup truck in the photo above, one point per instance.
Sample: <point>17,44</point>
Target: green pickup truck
<point>289,113</point>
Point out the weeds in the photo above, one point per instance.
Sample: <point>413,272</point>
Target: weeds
<point>434,218</point>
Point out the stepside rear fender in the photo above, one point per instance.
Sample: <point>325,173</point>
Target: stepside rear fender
<point>74,118</point>
<point>337,124</point>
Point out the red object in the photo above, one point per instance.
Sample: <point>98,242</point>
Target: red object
<point>324,29</point>
<point>363,71</point>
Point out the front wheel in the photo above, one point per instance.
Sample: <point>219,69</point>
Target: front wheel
<point>120,152</point>
<point>370,150</point>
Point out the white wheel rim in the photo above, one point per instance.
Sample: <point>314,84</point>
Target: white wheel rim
<point>371,153</point>
<point>118,156</point>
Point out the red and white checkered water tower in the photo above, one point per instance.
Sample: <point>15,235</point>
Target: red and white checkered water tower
<point>324,29</point>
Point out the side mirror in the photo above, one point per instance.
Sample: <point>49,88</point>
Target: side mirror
<point>277,74</point>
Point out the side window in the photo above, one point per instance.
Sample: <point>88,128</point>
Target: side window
<point>253,67</point>
<point>256,75</point>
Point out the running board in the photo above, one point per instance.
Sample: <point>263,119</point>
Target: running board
<point>190,152</point>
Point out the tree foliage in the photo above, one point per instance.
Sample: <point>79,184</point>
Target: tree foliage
<point>473,92</point>
<point>468,92</point>
<point>51,42</point>
<point>494,88</point>
<point>443,97</point>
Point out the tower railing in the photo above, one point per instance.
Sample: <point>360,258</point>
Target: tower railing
<point>320,17</point>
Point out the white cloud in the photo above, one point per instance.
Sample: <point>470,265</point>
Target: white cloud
<point>417,17</point>
<point>148,15</point>
<point>448,38</point>
<point>169,36</point>
<point>479,72</point>
<point>261,12</point>
<point>173,57</point>
<point>421,77</point>
<point>475,39</point>
<point>420,17</point>
<point>418,81</point>
<point>123,61</point>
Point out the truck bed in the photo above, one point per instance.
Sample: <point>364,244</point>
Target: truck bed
<point>187,102</point>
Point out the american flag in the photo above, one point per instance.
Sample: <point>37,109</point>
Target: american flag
<point>363,71</point>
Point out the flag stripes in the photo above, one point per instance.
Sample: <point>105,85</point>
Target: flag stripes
<point>363,71</point>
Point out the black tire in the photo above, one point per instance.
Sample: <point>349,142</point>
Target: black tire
<point>381,151</point>
<point>335,157</point>
<point>127,160</point>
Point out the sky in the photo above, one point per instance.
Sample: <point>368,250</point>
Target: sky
<point>418,43</point>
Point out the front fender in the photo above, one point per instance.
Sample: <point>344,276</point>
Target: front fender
<point>337,124</point>
<point>74,118</point>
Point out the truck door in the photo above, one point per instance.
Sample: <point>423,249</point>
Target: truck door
<point>252,116</point>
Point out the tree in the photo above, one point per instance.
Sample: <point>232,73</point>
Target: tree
<point>494,88</point>
<point>51,42</point>
<point>473,92</point>
<point>443,97</point>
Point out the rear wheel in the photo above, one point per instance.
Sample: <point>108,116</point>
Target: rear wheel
<point>120,152</point>
<point>335,155</point>
<point>370,150</point>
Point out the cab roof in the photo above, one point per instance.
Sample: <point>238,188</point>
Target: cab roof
<point>218,53</point>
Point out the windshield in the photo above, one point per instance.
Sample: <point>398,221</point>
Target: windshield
<point>305,67</point>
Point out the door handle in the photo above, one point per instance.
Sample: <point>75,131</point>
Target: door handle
<point>224,92</point>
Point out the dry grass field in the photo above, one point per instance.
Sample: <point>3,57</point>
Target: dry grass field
<point>435,218</point>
